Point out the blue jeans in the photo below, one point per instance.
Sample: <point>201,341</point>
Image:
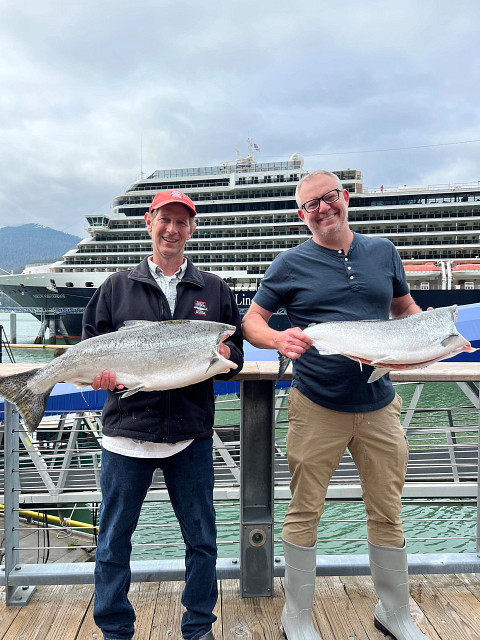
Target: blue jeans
<point>124,482</point>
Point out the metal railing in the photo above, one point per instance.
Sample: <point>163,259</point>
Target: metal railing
<point>60,467</point>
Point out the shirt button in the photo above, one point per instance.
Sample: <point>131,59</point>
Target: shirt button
<point>349,268</point>
<point>346,259</point>
<point>340,251</point>
<point>351,277</point>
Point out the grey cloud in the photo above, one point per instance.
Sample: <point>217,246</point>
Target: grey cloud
<point>87,88</point>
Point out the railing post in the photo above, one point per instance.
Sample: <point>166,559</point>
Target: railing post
<point>15,595</point>
<point>257,439</point>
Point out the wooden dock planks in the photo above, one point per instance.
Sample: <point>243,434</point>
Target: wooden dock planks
<point>445,607</point>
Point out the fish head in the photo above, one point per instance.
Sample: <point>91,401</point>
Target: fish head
<point>455,344</point>
<point>218,362</point>
<point>226,330</point>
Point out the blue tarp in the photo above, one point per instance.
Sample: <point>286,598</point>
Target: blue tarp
<point>468,324</point>
<point>468,321</point>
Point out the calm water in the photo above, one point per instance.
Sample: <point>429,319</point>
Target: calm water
<point>27,330</point>
<point>342,529</point>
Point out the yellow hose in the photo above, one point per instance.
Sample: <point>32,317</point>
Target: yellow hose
<point>39,346</point>
<point>66,522</point>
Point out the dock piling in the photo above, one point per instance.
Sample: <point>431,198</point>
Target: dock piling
<point>13,327</point>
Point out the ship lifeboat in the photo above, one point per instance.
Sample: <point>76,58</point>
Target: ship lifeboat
<point>424,267</point>
<point>467,274</point>
<point>474,266</point>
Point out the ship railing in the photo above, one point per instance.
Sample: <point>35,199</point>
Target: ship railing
<point>460,186</point>
<point>59,467</point>
<point>226,168</point>
<point>41,310</point>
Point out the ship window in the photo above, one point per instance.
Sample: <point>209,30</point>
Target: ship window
<point>69,284</point>
<point>424,286</point>
<point>89,284</point>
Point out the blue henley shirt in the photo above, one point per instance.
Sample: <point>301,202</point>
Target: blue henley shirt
<point>316,284</point>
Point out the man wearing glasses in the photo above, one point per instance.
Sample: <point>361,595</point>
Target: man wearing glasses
<point>338,275</point>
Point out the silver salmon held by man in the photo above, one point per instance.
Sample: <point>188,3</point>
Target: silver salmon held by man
<point>146,356</point>
<point>412,342</point>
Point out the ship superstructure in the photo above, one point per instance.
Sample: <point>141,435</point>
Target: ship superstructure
<point>247,214</point>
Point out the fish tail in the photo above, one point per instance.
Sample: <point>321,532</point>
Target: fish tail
<point>31,405</point>
<point>283,363</point>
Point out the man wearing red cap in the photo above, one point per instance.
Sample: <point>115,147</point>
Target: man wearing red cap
<point>171,430</point>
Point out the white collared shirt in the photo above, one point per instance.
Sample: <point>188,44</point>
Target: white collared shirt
<point>168,284</point>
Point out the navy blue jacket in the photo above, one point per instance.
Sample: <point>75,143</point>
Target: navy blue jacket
<point>175,414</point>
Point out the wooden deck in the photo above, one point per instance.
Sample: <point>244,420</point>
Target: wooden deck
<point>445,607</point>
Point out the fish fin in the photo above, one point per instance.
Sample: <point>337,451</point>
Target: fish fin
<point>31,405</point>
<point>130,392</point>
<point>378,373</point>
<point>381,359</point>
<point>283,363</point>
<point>215,358</point>
<point>449,339</point>
<point>134,324</point>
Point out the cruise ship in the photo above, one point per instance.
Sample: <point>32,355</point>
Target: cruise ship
<point>247,215</point>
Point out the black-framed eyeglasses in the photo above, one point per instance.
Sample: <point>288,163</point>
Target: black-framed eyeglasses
<point>313,205</point>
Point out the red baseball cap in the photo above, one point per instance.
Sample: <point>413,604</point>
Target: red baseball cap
<point>168,197</point>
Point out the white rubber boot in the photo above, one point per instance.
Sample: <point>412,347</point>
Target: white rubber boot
<point>300,570</point>
<point>390,577</point>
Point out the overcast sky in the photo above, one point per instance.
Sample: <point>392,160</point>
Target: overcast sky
<point>92,92</point>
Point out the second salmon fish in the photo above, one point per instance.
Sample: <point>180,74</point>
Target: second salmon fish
<point>412,342</point>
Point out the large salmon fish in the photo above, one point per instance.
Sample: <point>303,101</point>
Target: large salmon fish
<point>146,356</point>
<point>412,342</point>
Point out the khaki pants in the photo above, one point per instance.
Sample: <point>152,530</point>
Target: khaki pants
<point>316,441</point>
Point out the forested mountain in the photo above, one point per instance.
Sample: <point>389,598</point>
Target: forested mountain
<point>32,243</point>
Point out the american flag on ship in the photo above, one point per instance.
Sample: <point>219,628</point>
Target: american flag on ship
<point>256,147</point>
